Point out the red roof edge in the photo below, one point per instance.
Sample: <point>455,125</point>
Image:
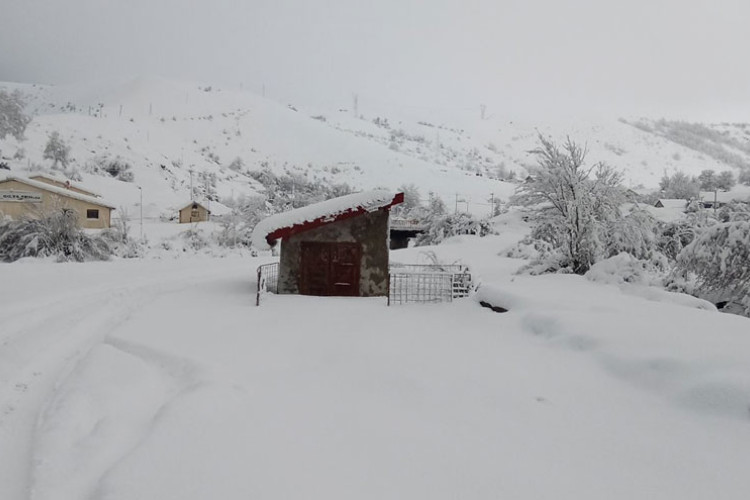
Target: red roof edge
<point>284,232</point>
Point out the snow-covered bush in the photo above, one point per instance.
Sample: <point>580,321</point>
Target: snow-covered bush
<point>719,261</point>
<point>442,226</point>
<point>195,239</point>
<point>624,268</point>
<point>54,235</point>
<point>237,227</point>
<point>635,233</point>
<point>289,191</point>
<point>119,169</point>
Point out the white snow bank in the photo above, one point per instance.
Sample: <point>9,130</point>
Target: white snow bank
<point>640,278</point>
<point>329,209</point>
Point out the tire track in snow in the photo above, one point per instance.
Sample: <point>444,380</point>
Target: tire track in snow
<point>94,421</point>
<point>36,352</point>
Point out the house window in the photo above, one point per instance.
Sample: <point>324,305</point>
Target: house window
<point>92,213</point>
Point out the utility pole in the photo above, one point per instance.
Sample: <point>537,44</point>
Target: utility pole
<point>192,196</point>
<point>356,105</point>
<point>492,204</point>
<point>141,207</point>
<point>456,209</point>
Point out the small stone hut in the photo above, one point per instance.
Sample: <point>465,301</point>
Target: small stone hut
<point>22,197</point>
<point>194,212</point>
<point>338,247</point>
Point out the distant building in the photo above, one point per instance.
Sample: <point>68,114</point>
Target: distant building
<point>338,247</point>
<point>194,212</point>
<point>22,197</point>
<point>671,203</point>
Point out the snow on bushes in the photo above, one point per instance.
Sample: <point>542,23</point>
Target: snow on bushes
<point>54,235</point>
<point>444,226</point>
<point>719,260</point>
<point>624,268</point>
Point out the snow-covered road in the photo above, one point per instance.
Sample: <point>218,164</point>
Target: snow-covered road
<point>160,380</point>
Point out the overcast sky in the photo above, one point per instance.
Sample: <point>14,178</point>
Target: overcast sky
<point>523,58</point>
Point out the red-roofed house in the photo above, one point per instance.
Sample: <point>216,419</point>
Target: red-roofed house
<point>336,247</point>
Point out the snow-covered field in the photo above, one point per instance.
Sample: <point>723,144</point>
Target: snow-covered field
<point>160,379</point>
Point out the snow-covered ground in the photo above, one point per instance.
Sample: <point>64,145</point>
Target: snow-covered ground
<point>160,379</point>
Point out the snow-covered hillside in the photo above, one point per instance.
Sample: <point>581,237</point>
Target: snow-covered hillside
<point>165,129</point>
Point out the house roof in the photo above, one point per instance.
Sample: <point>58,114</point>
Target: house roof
<point>737,194</point>
<point>58,190</point>
<point>270,229</point>
<point>194,203</point>
<point>62,181</point>
<point>672,203</point>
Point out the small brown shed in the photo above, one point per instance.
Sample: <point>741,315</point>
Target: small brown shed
<point>338,247</point>
<point>194,212</point>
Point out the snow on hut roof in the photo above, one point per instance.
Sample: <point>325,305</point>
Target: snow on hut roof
<point>671,203</point>
<point>213,207</point>
<point>58,190</point>
<point>197,203</point>
<point>284,224</point>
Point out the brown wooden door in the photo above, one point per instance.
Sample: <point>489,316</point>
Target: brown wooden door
<point>330,268</point>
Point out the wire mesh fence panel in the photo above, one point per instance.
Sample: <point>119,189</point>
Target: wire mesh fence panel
<point>268,279</point>
<point>461,285</point>
<point>420,288</point>
<point>426,268</point>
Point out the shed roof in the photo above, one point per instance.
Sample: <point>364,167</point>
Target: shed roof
<point>671,203</point>
<point>58,190</point>
<point>189,205</point>
<point>302,219</point>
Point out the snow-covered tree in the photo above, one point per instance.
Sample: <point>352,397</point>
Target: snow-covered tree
<point>725,180</point>
<point>719,259</point>
<point>13,119</point>
<point>412,205</point>
<point>707,180</point>
<point>679,186</point>
<point>574,201</point>
<point>435,205</point>
<point>56,150</point>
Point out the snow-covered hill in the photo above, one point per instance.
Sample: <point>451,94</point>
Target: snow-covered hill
<point>165,129</point>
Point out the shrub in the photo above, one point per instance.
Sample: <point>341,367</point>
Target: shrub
<point>719,260</point>
<point>54,235</point>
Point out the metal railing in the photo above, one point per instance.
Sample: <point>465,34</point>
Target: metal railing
<point>268,280</point>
